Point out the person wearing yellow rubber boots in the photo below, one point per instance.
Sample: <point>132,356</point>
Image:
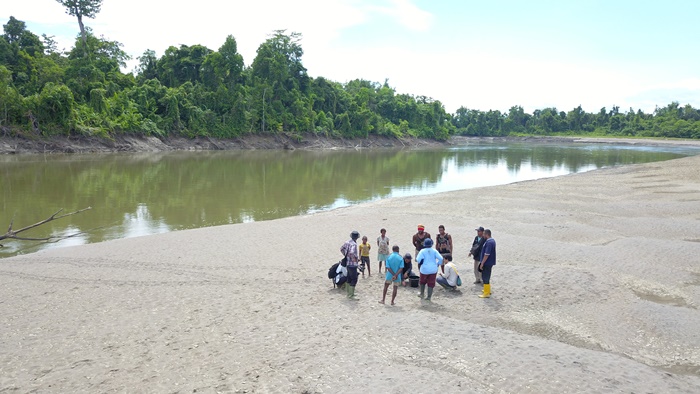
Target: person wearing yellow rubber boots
<point>488,260</point>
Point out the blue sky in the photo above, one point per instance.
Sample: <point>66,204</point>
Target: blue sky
<point>478,54</point>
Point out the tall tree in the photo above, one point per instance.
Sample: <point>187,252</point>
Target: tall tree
<point>14,29</point>
<point>147,65</point>
<point>80,9</point>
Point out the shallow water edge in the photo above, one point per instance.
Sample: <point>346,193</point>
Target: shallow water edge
<point>123,143</point>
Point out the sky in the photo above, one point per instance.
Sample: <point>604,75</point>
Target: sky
<point>485,55</point>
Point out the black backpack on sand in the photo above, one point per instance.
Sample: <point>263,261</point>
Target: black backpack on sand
<point>331,271</point>
<point>332,274</point>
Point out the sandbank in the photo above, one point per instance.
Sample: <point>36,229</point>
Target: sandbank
<point>596,289</point>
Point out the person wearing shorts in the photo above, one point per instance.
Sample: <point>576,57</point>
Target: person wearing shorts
<point>383,246</point>
<point>364,248</point>
<point>429,261</point>
<point>394,268</point>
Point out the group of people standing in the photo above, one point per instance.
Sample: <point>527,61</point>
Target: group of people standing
<point>434,261</point>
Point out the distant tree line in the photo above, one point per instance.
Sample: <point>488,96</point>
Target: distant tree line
<point>670,121</point>
<point>196,91</point>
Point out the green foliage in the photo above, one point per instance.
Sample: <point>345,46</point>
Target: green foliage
<point>180,65</point>
<point>54,106</point>
<point>195,91</point>
<point>14,29</point>
<point>11,103</point>
<point>82,8</point>
<point>671,121</point>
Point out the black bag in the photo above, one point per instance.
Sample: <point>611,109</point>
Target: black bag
<point>332,270</point>
<point>333,274</point>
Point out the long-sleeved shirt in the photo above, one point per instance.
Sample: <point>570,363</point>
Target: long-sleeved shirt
<point>429,260</point>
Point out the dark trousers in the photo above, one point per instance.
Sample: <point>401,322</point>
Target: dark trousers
<point>352,275</point>
<point>485,275</point>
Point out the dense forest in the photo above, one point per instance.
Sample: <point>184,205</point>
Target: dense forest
<point>196,91</point>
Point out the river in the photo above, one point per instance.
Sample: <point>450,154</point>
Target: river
<point>146,193</point>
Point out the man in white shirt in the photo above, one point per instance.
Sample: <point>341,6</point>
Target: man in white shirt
<point>448,279</point>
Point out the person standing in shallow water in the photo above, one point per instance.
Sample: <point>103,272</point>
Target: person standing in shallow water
<point>488,260</point>
<point>383,248</point>
<point>349,250</point>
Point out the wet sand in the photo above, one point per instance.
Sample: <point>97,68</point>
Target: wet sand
<point>596,289</point>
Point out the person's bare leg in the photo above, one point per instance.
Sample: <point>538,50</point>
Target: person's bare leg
<point>393,295</point>
<point>369,271</point>
<point>386,287</point>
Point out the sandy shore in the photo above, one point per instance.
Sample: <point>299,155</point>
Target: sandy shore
<point>597,289</point>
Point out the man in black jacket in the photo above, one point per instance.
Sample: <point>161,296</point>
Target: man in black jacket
<point>476,252</point>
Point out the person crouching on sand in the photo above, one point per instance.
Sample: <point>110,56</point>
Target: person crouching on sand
<point>394,268</point>
<point>448,278</point>
<point>407,268</point>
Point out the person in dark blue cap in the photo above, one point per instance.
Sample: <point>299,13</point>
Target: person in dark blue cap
<point>429,260</point>
<point>476,252</point>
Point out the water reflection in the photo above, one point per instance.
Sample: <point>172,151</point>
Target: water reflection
<point>139,223</point>
<point>147,193</point>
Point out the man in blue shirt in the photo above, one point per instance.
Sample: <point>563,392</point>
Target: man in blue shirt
<point>488,260</point>
<point>428,262</point>
<point>394,268</point>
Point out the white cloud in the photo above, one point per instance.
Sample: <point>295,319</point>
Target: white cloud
<point>141,25</point>
<point>483,78</point>
<point>648,97</point>
<point>157,27</point>
<point>407,14</point>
